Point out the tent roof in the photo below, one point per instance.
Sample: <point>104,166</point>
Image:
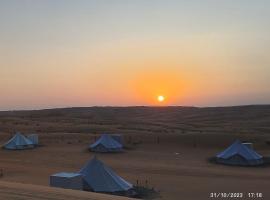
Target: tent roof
<point>237,148</point>
<point>102,179</point>
<point>118,138</point>
<point>107,141</point>
<point>67,174</point>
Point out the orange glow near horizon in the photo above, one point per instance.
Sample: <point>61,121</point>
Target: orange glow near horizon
<point>160,87</point>
<point>188,59</point>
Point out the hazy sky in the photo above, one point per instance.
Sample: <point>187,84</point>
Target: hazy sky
<point>59,53</point>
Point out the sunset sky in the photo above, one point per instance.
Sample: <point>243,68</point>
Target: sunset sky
<point>61,53</point>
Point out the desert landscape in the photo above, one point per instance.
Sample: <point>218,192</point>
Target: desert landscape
<point>168,149</point>
<point>134,99</point>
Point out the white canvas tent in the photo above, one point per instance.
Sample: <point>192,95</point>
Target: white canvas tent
<point>100,178</point>
<point>239,154</point>
<point>106,144</point>
<point>19,142</point>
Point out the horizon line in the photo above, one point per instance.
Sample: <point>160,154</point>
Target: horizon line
<point>133,106</point>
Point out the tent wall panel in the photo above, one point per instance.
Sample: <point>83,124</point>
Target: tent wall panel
<point>67,181</point>
<point>33,138</point>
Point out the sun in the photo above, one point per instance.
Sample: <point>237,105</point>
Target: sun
<point>160,98</point>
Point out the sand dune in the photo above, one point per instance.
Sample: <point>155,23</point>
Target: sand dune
<point>145,120</point>
<point>19,191</point>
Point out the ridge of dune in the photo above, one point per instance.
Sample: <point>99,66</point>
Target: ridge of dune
<point>20,191</point>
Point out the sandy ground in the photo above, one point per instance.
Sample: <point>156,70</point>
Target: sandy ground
<point>176,166</point>
<point>19,191</point>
